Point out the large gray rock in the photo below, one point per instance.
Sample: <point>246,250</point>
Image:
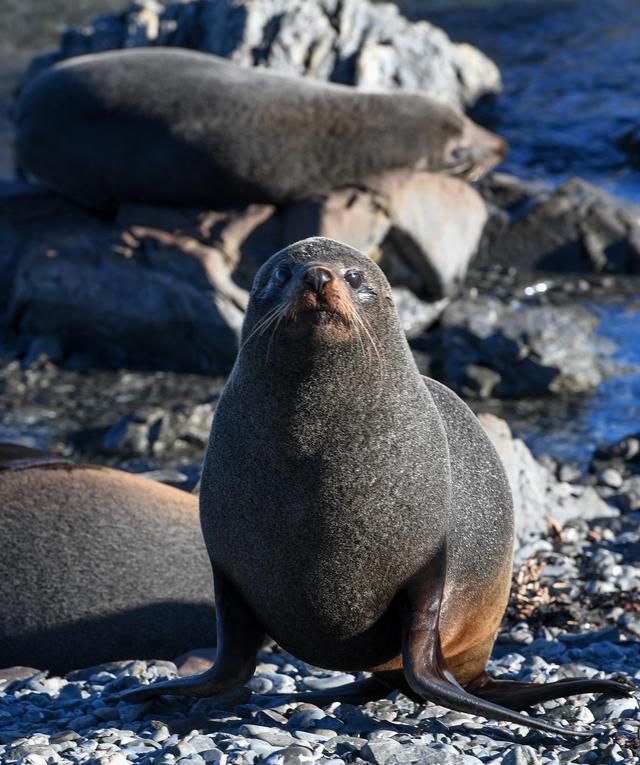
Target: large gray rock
<point>348,41</point>
<point>167,288</point>
<point>537,495</point>
<point>490,348</point>
<point>575,227</point>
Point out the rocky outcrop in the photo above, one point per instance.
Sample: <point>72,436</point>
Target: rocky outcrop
<point>347,41</point>
<point>575,227</point>
<point>538,497</point>
<point>629,142</point>
<point>490,348</point>
<point>167,288</point>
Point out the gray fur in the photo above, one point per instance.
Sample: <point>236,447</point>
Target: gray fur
<point>175,126</point>
<point>333,473</point>
<point>98,565</point>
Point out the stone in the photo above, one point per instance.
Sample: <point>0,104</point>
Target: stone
<point>521,755</point>
<point>416,315</point>
<point>167,289</point>
<point>537,494</point>
<point>436,225</point>
<point>490,348</point>
<point>575,227</point>
<point>121,311</point>
<point>354,42</point>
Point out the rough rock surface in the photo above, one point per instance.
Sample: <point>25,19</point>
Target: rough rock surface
<point>489,347</point>
<point>166,288</point>
<point>616,469</point>
<point>629,142</point>
<point>575,227</point>
<point>347,41</point>
<point>538,496</point>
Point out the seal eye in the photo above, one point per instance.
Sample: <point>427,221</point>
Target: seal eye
<point>354,279</point>
<point>281,275</point>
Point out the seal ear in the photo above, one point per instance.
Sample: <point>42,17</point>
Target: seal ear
<point>425,667</point>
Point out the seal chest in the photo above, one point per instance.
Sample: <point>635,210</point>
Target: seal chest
<point>319,491</point>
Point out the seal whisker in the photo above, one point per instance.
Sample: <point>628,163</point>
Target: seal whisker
<point>266,319</point>
<point>276,326</point>
<point>365,329</point>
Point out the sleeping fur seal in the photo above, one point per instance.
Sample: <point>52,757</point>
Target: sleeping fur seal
<point>171,126</point>
<point>96,565</point>
<point>354,510</point>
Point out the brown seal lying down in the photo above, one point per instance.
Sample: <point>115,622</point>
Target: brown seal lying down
<point>96,565</point>
<point>171,126</point>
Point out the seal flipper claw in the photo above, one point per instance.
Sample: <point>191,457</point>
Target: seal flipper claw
<point>239,639</point>
<point>520,695</point>
<point>425,667</point>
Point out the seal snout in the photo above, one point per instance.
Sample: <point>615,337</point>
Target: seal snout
<point>316,277</point>
<point>319,297</point>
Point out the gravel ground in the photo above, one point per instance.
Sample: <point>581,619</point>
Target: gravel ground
<point>579,595</point>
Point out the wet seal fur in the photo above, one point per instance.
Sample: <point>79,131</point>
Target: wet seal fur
<point>354,510</point>
<point>96,565</point>
<point>171,126</point>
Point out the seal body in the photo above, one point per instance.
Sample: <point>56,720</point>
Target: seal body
<point>97,565</point>
<point>172,126</point>
<point>352,509</point>
<point>350,468</point>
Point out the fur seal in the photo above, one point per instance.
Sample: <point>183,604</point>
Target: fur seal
<point>354,510</point>
<point>97,565</point>
<point>171,126</point>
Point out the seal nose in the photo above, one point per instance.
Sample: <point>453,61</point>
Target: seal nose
<point>316,278</point>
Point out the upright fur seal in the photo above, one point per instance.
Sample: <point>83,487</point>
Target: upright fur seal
<point>354,510</point>
<point>96,565</point>
<point>171,126</point>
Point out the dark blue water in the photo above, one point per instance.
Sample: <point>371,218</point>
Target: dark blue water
<point>571,428</point>
<point>571,72</point>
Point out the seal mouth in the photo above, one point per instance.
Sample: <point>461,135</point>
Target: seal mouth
<point>309,313</point>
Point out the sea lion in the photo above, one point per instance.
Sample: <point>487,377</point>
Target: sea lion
<point>96,565</point>
<point>354,510</point>
<point>171,126</point>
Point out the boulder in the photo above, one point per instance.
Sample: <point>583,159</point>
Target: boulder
<point>629,142</point>
<point>354,42</point>
<point>537,495</point>
<point>166,288</point>
<point>575,227</point>
<point>113,307</point>
<point>490,348</point>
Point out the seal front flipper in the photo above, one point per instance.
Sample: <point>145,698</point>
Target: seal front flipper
<point>520,695</point>
<point>239,639</point>
<point>425,667</point>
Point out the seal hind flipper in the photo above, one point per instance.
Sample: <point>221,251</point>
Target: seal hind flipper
<point>239,637</point>
<point>520,695</point>
<point>18,457</point>
<point>425,667</point>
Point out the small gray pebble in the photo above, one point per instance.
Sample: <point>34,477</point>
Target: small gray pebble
<point>325,683</point>
<point>521,755</point>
